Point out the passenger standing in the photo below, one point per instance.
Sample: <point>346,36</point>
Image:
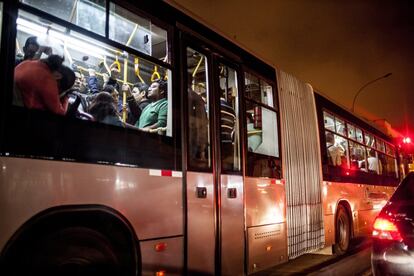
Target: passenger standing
<point>154,115</point>
<point>42,84</point>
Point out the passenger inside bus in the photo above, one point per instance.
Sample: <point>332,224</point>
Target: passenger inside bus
<point>154,115</point>
<point>227,124</point>
<point>95,67</point>
<point>103,109</point>
<point>335,152</point>
<point>43,84</point>
<point>374,165</point>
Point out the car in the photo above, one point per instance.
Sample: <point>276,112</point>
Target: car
<point>393,233</point>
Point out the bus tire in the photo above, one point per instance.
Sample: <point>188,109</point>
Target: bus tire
<point>342,231</point>
<point>68,251</point>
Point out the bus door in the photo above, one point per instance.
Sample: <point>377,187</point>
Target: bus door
<point>214,186</point>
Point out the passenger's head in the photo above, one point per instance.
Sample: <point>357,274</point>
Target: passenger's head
<point>330,138</point>
<point>53,62</point>
<point>112,91</point>
<point>66,80</point>
<point>371,153</point>
<point>30,47</point>
<point>139,87</point>
<point>79,82</point>
<point>157,90</point>
<point>103,105</point>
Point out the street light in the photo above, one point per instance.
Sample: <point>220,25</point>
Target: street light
<point>365,85</point>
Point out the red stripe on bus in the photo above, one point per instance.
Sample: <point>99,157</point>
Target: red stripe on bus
<point>166,173</point>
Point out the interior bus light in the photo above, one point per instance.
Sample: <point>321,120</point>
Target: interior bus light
<point>384,229</point>
<point>73,43</point>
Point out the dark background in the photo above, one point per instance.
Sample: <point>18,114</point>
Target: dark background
<point>336,46</point>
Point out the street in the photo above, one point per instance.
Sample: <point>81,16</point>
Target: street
<point>356,262</point>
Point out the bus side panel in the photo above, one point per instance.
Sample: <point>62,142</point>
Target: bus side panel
<point>232,225</point>
<point>365,202</point>
<point>266,223</point>
<point>200,225</point>
<point>170,260</point>
<point>151,203</point>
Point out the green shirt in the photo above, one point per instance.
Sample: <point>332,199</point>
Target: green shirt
<point>155,112</point>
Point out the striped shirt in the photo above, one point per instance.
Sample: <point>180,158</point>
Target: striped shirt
<point>227,121</point>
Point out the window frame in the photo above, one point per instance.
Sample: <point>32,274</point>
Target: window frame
<point>333,172</point>
<point>167,150</point>
<point>277,160</point>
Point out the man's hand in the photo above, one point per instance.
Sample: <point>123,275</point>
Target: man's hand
<point>92,72</point>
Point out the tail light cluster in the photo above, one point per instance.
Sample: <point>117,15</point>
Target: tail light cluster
<point>385,229</point>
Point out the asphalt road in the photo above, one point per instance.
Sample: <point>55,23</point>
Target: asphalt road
<point>356,262</point>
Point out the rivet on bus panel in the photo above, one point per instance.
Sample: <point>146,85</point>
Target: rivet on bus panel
<point>268,248</point>
<point>160,273</point>
<point>161,246</point>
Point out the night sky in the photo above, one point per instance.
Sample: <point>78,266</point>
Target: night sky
<point>336,46</point>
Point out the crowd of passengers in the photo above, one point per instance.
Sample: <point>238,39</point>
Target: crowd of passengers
<point>337,157</point>
<point>47,84</point>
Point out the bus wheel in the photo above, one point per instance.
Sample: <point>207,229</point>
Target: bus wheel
<point>69,251</point>
<point>342,231</point>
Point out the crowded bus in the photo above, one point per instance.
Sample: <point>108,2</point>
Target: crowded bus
<point>135,140</point>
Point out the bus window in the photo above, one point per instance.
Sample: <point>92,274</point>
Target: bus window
<point>359,137</point>
<point>261,130</point>
<point>340,126</point>
<point>357,156</point>
<point>229,119</point>
<point>260,92</point>
<point>329,121</point>
<point>261,126</point>
<point>87,14</point>
<point>380,145</point>
<point>139,100</point>
<point>351,131</point>
<point>199,153</point>
<point>389,165</point>
<point>390,149</point>
<point>137,32</point>
<point>369,140</point>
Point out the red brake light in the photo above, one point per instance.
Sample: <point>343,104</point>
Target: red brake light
<point>384,229</point>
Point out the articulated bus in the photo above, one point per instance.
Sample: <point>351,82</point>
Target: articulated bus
<point>245,167</point>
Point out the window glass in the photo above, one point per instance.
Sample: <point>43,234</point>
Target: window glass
<point>359,136</point>
<point>252,87</point>
<point>340,126</point>
<point>229,119</point>
<point>262,136</point>
<point>392,167</point>
<point>84,13</point>
<point>329,121</point>
<point>369,140</point>
<point>137,32</point>
<point>351,131</point>
<point>90,67</point>
<point>337,148</point>
<point>267,93</point>
<point>357,154</point>
<point>390,149</point>
<point>198,115</point>
<point>380,145</point>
